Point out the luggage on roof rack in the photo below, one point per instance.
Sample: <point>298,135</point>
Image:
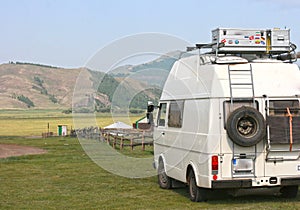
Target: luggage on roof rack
<point>271,41</point>
<point>268,43</point>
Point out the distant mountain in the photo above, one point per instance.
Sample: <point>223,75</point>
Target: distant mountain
<point>26,85</point>
<point>144,81</point>
<point>152,73</point>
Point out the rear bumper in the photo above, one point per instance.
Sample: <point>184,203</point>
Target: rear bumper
<point>247,183</point>
<point>290,181</point>
<point>225,184</point>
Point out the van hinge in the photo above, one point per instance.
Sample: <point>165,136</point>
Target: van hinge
<point>221,155</point>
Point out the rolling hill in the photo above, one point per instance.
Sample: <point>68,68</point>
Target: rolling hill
<point>36,86</point>
<point>154,72</point>
<point>46,87</point>
<point>27,86</point>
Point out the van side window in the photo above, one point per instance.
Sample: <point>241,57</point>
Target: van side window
<point>279,107</point>
<point>175,114</point>
<point>161,120</point>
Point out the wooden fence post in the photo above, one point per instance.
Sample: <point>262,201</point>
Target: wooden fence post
<point>143,141</point>
<point>108,138</point>
<point>121,144</point>
<point>114,143</point>
<point>101,135</point>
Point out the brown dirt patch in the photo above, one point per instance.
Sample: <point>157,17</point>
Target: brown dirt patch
<point>12,150</point>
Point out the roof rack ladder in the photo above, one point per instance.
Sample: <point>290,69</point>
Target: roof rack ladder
<point>241,80</point>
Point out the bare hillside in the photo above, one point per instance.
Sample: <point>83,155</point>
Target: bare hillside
<point>46,87</point>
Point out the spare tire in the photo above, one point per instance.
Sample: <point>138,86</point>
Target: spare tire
<point>246,126</point>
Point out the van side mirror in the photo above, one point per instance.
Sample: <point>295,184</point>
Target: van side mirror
<point>150,107</point>
<point>149,115</point>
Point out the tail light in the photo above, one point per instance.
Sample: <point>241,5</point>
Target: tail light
<point>214,164</point>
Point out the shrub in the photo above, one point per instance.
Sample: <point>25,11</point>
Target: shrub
<point>67,111</point>
<point>53,99</point>
<point>26,100</point>
<point>137,111</point>
<point>38,81</point>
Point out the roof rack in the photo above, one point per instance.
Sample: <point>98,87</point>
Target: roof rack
<point>273,42</point>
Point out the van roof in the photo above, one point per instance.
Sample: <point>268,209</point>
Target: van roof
<point>202,77</point>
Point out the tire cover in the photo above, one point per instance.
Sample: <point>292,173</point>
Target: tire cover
<point>246,126</point>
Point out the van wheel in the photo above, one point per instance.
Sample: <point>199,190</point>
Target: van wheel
<point>289,191</point>
<point>164,181</point>
<point>196,193</point>
<point>246,126</point>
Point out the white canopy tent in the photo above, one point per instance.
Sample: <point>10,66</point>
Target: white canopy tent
<point>118,125</point>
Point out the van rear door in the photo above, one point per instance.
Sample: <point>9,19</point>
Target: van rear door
<point>283,118</point>
<point>242,145</point>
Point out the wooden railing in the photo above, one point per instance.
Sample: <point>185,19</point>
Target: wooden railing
<point>117,137</point>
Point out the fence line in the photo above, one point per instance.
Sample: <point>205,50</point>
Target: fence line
<point>127,138</point>
<point>117,137</point>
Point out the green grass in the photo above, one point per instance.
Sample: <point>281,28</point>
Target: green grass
<point>65,178</point>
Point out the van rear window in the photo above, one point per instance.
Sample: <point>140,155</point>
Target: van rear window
<point>175,114</point>
<point>279,107</point>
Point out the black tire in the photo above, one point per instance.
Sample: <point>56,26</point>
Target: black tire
<point>289,191</point>
<point>246,126</point>
<point>196,193</point>
<point>164,181</point>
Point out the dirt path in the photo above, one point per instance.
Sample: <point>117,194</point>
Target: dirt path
<point>9,150</point>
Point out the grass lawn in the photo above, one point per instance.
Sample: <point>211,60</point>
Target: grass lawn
<point>66,178</point>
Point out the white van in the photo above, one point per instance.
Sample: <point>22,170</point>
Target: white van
<point>229,118</point>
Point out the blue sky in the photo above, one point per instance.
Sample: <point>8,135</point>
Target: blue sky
<point>68,33</point>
